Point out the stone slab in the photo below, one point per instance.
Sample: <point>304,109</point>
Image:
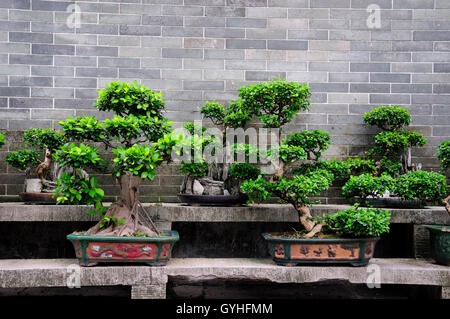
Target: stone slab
<point>167,212</point>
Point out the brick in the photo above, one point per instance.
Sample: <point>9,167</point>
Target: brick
<point>287,45</point>
<point>225,12</point>
<point>224,54</point>
<point>96,72</point>
<point>14,26</point>
<point>441,68</point>
<point>181,53</point>
<point>349,77</point>
<point>334,24</point>
<point>57,115</point>
<point>307,76</point>
<point>64,38</point>
<point>262,13</point>
<point>204,43</point>
<point>204,22</point>
<point>441,131</point>
<point>182,74</point>
<point>348,98</point>
<point>140,73</point>
<point>52,49</point>
<point>247,3</point>
<point>14,114</point>
<point>267,34</point>
<point>431,78</point>
<point>327,87</point>
<point>390,98</point>
<point>30,103</point>
<point>27,15</point>
<point>224,75</point>
<point>369,88</point>
<point>391,36</point>
<point>139,52</point>
<point>263,76</point>
<point>350,35</point>
<point>30,37</point>
<point>15,48</point>
<point>156,42</point>
<point>106,18</point>
<point>182,10</point>
<point>430,99</point>
<point>412,67</point>
<point>370,46</point>
<point>50,27</point>
<point>329,66</point>
<point>52,92</point>
<point>431,57</point>
<point>245,44</point>
<point>349,56</point>
<point>411,88</point>
<point>441,88</point>
<point>431,36</point>
<point>224,33</point>
<point>363,4</point>
<point>119,62</point>
<point>286,66</point>
<point>162,20</point>
<point>390,77</point>
<point>16,4</point>
<point>308,34</point>
<point>182,32</point>
<point>391,57</point>
<point>442,4</point>
<point>442,46</point>
<point>86,93</point>
<point>30,81</point>
<point>75,61</point>
<point>204,64</point>
<point>245,65</point>
<point>369,67</point>
<point>140,30</point>
<point>15,91</point>
<point>162,63</point>
<point>330,4</point>
<point>31,59</point>
<point>275,23</point>
<point>203,85</point>
<point>73,104</point>
<point>308,13</point>
<point>413,4</point>
<point>76,82</point>
<point>267,54</point>
<point>246,23</point>
<point>183,96</point>
<point>332,45</point>
<point>99,29</point>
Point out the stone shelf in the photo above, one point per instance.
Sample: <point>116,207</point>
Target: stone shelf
<point>150,282</point>
<point>19,212</point>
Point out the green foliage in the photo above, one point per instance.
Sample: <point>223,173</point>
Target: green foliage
<point>43,138</point>
<point>443,154</point>
<point>391,143</point>
<point>194,169</point>
<point>79,156</point>
<point>388,117</point>
<point>138,159</point>
<point>275,102</point>
<point>390,167</point>
<point>23,159</point>
<point>422,185</point>
<point>244,171</point>
<point>357,222</point>
<point>130,99</point>
<point>366,185</point>
<point>76,190</point>
<point>232,116</point>
<point>298,189</point>
<point>2,139</point>
<point>313,142</point>
<point>86,128</point>
<point>358,166</point>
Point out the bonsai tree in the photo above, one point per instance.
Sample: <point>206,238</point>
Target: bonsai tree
<point>212,174</point>
<point>44,140</point>
<point>444,156</point>
<point>276,103</point>
<point>137,135</point>
<point>393,144</point>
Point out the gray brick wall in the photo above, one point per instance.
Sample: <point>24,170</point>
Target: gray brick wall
<point>197,50</point>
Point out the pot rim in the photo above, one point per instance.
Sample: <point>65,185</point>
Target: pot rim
<point>170,236</point>
<point>438,228</point>
<point>318,240</point>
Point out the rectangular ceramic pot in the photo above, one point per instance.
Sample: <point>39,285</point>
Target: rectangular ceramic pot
<point>440,243</point>
<point>154,251</point>
<point>293,251</point>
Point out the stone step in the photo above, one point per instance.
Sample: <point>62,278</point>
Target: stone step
<point>150,282</point>
<point>20,212</point>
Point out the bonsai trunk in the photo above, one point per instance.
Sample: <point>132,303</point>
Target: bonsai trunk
<point>446,202</point>
<point>305,218</point>
<point>126,209</point>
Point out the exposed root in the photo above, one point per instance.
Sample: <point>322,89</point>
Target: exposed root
<point>316,229</point>
<point>446,202</point>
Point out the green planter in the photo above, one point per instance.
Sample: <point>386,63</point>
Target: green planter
<point>154,251</point>
<point>440,243</point>
<point>293,251</point>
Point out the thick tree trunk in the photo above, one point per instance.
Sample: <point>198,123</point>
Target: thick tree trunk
<point>305,218</point>
<point>127,209</point>
<point>446,202</point>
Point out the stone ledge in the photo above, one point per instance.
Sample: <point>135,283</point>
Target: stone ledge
<point>19,273</point>
<point>20,212</point>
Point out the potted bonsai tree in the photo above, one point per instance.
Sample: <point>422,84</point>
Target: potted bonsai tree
<point>139,139</point>
<point>440,234</point>
<point>208,179</point>
<point>276,103</point>
<point>392,154</point>
<point>40,176</point>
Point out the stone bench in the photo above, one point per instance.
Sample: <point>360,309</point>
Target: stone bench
<point>168,213</point>
<point>150,282</point>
